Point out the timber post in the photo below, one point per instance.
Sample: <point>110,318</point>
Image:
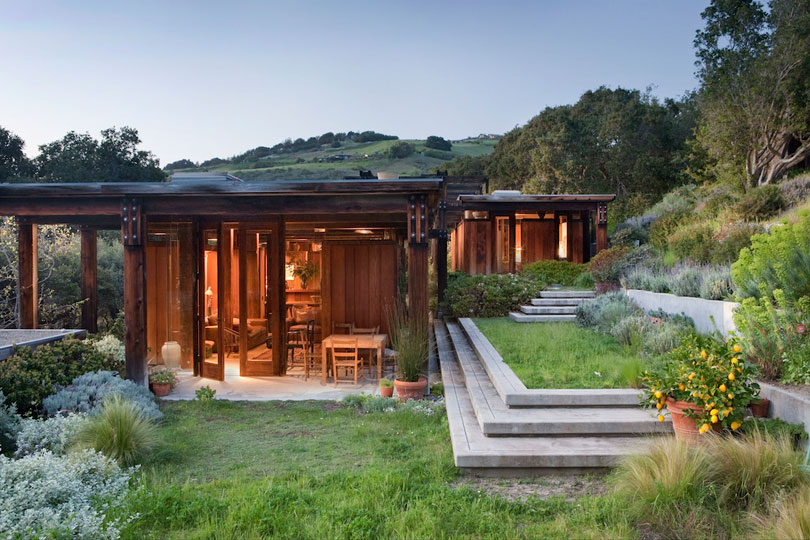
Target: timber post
<point>418,256</point>
<point>512,242</point>
<point>601,227</point>
<point>27,274</point>
<point>89,277</point>
<point>132,235</point>
<point>278,295</point>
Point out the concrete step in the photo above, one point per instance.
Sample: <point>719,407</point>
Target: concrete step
<point>558,301</point>
<point>518,456</point>
<point>496,419</point>
<point>524,318</point>
<point>514,393</point>
<point>548,310</point>
<point>567,294</point>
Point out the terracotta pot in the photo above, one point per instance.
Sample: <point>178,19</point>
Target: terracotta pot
<point>686,428</point>
<point>161,389</point>
<point>411,390</point>
<point>386,391</point>
<point>760,408</point>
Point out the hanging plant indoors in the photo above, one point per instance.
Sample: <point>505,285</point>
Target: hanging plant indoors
<point>305,271</point>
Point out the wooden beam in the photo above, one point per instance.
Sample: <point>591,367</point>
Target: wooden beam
<point>89,279</point>
<point>243,308</point>
<point>27,275</point>
<point>601,227</point>
<point>31,205</point>
<point>512,242</point>
<point>278,296</point>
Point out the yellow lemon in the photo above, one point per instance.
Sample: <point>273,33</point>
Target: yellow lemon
<point>737,348</point>
<point>682,387</point>
<point>725,413</point>
<point>658,406</point>
<point>714,419</point>
<point>713,412</point>
<point>722,387</point>
<point>704,428</point>
<point>734,360</point>
<point>735,424</point>
<point>658,394</point>
<point>660,417</point>
<point>731,376</point>
<point>691,375</point>
<point>703,354</point>
<point>731,396</point>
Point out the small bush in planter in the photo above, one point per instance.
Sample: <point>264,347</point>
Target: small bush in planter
<point>386,383</point>
<point>163,376</point>
<point>708,374</point>
<point>409,337</point>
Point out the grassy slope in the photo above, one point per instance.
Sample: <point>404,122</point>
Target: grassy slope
<point>309,470</point>
<point>287,166</point>
<point>558,355</point>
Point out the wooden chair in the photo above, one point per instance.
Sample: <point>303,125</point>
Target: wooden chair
<point>296,341</point>
<point>342,328</point>
<point>366,353</point>
<point>312,353</point>
<point>230,340</point>
<point>344,355</point>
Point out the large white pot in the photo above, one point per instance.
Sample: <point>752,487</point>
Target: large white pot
<point>171,354</point>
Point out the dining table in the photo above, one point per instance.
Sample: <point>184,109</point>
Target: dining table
<point>367,342</point>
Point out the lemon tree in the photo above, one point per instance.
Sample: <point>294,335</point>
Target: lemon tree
<point>708,373</point>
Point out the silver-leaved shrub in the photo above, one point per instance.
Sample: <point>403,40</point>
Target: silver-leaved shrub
<point>87,392</point>
<point>54,434</point>
<point>48,496</point>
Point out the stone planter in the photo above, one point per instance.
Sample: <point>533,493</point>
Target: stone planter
<point>708,315</point>
<point>411,390</point>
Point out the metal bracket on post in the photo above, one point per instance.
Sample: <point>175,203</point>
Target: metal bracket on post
<point>132,222</point>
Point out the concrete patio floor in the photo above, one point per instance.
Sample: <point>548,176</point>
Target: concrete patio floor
<point>291,387</point>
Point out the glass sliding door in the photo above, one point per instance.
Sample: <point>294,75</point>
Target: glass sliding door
<point>214,341</point>
<point>170,294</point>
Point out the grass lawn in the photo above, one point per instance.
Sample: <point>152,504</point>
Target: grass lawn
<point>561,355</point>
<point>318,470</point>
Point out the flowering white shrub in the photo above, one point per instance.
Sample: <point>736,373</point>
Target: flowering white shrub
<point>48,496</point>
<point>427,407</point>
<point>111,347</point>
<point>53,434</point>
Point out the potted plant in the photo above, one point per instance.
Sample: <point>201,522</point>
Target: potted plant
<point>386,388</point>
<point>162,380</point>
<point>305,270</point>
<point>759,407</point>
<point>409,337</point>
<point>704,385</point>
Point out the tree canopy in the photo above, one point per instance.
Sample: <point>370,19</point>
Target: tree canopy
<point>621,141</point>
<point>78,157</point>
<point>438,143</point>
<point>754,68</point>
<point>14,165</point>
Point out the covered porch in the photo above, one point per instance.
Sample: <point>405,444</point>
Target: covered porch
<point>224,278</point>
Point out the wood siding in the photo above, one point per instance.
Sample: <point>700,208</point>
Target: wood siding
<point>360,281</point>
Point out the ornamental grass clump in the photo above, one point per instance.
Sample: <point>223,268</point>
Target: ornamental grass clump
<point>790,521</point>
<point>410,339</point>
<point>708,373</point>
<point>120,430</point>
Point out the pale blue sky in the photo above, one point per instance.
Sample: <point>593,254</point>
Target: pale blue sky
<point>203,79</point>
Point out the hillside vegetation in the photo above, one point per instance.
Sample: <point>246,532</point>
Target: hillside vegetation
<point>329,160</point>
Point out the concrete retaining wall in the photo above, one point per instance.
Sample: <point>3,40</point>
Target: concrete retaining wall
<point>700,310</point>
<point>786,404</point>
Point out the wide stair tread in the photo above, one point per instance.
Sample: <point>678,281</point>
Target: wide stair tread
<point>521,317</point>
<point>548,310</point>
<point>558,301</point>
<point>475,451</point>
<point>567,294</point>
<point>496,419</point>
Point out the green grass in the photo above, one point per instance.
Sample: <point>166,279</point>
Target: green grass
<point>560,355</point>
<point>311,470</point>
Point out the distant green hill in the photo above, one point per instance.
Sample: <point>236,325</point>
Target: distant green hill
<point>329,161</point>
